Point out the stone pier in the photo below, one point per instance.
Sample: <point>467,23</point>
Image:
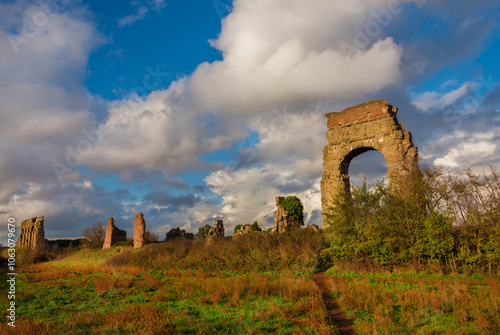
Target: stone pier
<point>139,230</point>
<point>32,235</point>
<point>113,234</point>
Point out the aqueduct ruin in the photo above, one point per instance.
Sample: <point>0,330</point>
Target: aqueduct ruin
<point>369,126</point>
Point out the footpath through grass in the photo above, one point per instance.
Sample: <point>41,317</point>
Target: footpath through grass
<point>409,302</point>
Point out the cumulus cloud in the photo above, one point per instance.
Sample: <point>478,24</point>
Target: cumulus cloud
<point>67,207</point>
<point>289,52</point>
<point>161,132</point>
<point>472,150</point>
<point>43,56</point>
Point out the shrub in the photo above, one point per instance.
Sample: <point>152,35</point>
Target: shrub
<point>178,233</point>
<point>203,232</point>
<point>293,205</point>
<point>151,237</point>
<point>432,217</point>
<point>298,250</point>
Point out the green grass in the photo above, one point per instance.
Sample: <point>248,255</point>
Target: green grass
<point>179,287</point>
<point>409,302</point>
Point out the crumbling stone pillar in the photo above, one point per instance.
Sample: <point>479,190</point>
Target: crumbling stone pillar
<point>32,234</point>
<point>283,221</point>
<point>216,232</point>
<point>139,230</point>
<point>113,234</point>
<point>369,126</point>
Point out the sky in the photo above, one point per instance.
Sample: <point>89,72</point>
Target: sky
<point>195,110</point>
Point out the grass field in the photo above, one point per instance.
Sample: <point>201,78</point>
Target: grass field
<point>410,302</point>
<point>256,285</point>
<point>176,290</point>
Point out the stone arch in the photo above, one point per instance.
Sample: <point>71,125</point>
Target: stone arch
<point>356,130</point>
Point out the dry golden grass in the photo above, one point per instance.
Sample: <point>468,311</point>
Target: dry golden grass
<point>389,303</point>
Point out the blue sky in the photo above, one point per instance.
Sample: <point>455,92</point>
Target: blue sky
<point>191,111</point>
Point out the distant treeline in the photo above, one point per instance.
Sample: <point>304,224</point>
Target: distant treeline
<point>434,218</point>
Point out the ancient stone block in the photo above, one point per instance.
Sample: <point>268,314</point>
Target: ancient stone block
<point>243,231</point>
<point>32,234</point>
<point>113,234</point>
<point>216,232</point>
<point>139,230</point>
<point>283,221</point>
<point>369,126</point>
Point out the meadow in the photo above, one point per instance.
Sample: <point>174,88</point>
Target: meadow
<point>405,301</point>
<point>257,284</point>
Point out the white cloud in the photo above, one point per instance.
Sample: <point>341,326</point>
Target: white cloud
<point>281,52</point>
<point>161,132</point>
<point>142,11</point>
<point>472,151</point>
<point>434,100</point>
<point>44,103</point>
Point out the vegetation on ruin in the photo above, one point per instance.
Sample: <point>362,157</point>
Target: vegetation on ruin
<point>293,205</point>
<point>253,227</point>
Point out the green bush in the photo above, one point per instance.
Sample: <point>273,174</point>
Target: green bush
<point>293,205</point>
<point>432,218</point>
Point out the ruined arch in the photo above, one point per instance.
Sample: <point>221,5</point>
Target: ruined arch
<point>369,126</point>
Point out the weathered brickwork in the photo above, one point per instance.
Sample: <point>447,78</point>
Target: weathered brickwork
<point>113,234</point>
<point>32,234</point>
<point>139,230</point>
<point>358,129</point>
<point>216,232</point>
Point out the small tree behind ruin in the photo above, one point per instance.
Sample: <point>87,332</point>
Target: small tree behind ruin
<point>94,234</point>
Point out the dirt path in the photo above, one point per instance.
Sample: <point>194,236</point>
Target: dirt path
<point>336,314</point>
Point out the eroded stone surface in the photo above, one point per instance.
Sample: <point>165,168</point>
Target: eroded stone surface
<point>113,234</point>
<point>139,230</point>
<point>216,232</point>
<point>283,221</point>
<point>358,129</point>
<point>32,235</point>
<point>243,231</point>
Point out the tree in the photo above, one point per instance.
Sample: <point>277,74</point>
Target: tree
<point>178,233</point>
<point>255,226</point>
<point>238,227</point>
<point>151,237</point>
<point>293,205</point>
<point>203,231</point>
<point>95,233</point>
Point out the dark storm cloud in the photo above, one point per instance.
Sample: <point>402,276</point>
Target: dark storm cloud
<point>164,198</point>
